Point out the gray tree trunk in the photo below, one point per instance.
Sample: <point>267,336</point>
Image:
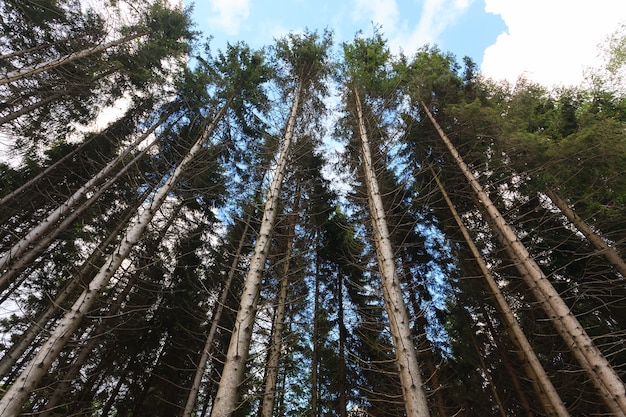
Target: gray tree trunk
<point>406,355</point>
<point>554,405</point>
<point>596,365</point>
<point>238,349</point>
<point>29,379</point>
<point>46,66</point>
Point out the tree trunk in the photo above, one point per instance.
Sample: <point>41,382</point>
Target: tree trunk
<point>601,246</point>
<point>18,349</point>
<point>406,356</point>
<point>238,349</point>
<point>16,396</point>
<point>315,340</point>
<point>271,376</point>
<point>555,405</point>
<point>46,66</point>
<point>40,245</point>
<point>558,312</point>
<point>208,346</point>
<point>37,232</point>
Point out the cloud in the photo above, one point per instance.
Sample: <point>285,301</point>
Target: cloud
<point>550,42</point>
<point>435,16</point>
<point>228,15</point>
<point>381,12</point>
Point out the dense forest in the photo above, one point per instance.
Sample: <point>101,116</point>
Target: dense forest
<point>309,229</point>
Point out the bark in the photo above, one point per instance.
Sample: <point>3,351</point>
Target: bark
<point>38,231</point>
<point>315,341</point>
<point>46,66</point>
<point>16,396</point>
<point>208,346</point>
<point>238,349</point>
<point>25,341</point>
<point>100,329</point>
<point>601,246</point>
<point>555,405</point>
<point>271,376</point>
<point>406,356</point>
<point>34,251</point>
<point>595,363</point>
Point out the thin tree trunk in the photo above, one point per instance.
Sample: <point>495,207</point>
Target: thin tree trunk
<point>559,312</point>
<point>555,405</point>
<point>221,303</point>
<point>271,377</point>
<point>16,396</point>
<point>406,356</point>
<point>342,383</point>
<point>99,330</point>
<point>238,349</point>
<point>18,349</point>
<point>602,247</point>
<point>315,340</point>
<point>40,245</point>
<point>46,66</point>
<point>38,231</point>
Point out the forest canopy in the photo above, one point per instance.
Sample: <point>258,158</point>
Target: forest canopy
<point>311,228</point>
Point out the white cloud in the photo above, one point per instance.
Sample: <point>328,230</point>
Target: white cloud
<point>381,12</point>
<point>435,16</point>
<point>228,15</point>
<point>549,41</point>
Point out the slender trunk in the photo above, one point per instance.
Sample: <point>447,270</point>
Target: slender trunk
<point>49,99</point>
<point>208,346</point>
<point>40,245</point>
<point>601,246</point>
<point>18,349</point>
<point>94,337</point>
<point>238,349</point>
<point>559,312</point>
<point>406,356</point>
<point>342,373</point>
<point>46,66</point>
<point>271,377</point>
<point>555,405</point>
<point>315,339</point>
<point>37,232</point>
<point>16,396</point>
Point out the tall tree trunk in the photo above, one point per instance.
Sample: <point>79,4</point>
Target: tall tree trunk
<point>17,350</point>
<point>37,232</point>
<point>16,396</point>
<point>342,373</point>
<point>238,349</point>
<point>558,312</point>
<point>315,340</point>
<point>94,337</point>
<point>221,303</point>
<point>406,355</point>
<point>45,241</point>
<point>555,405</point>
<point>601,246</point>
<point>273,362</point>
<point>46,66</point>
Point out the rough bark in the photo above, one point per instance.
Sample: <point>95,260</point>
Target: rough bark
<point>18,393</point>
<point>555,405</point>
<point>38,231</point>
<point>18,349</point>
<point>595,363</point>
<point>609,253</point>
<point>271,377</point>
<point>208,346</point>
<point>406,355</point>
<point>238,349</point>
<point>46,66</point>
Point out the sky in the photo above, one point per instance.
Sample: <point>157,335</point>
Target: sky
<point>552,42</point>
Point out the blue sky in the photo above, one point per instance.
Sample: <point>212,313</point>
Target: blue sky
<point>549,41</point>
